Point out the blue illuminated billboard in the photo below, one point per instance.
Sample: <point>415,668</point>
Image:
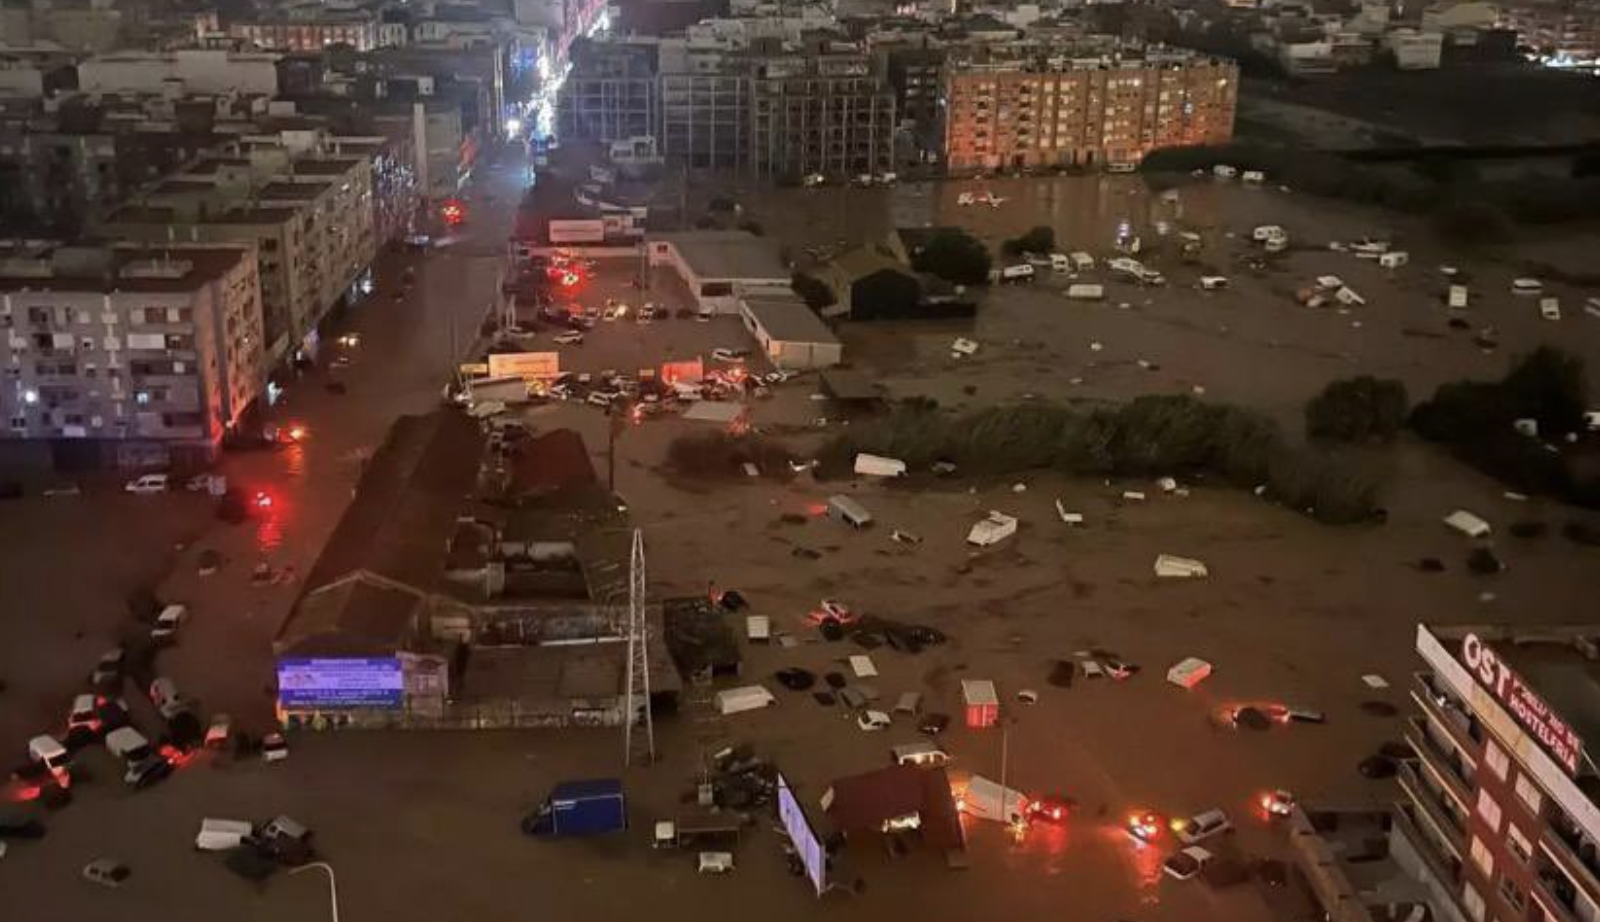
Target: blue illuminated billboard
<point>340,684</point>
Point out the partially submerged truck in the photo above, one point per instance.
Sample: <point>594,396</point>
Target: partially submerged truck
<point>580,808</point>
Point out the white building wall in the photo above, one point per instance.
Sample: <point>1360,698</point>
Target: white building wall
<point>195,70</point>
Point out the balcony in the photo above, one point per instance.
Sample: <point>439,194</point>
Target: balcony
<point>1446,869</point>
<point>1434,807</point>
<point>1450,767</point>
<point>1447,711</point>
<point>1554,894</point>
<point>1576,861</point>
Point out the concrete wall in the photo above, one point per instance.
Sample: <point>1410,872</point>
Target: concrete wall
<point>194,71</point>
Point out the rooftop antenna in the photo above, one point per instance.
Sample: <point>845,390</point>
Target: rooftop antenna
<point>637,703</point>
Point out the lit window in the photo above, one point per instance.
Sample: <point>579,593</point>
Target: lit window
<point>1498,761</point>
<point>1482,857</point>
<point>1529,794</point>
<point>1489,810</point>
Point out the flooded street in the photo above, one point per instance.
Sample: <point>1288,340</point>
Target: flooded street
<point>1293,611</point>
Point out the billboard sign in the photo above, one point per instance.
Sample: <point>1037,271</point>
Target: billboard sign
<point>577,230</point>
<point>340,684</point>
<point>813,857</point>
<point>530,366</point>
<point>1555,735</point>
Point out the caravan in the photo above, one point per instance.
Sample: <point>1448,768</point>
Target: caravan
<point>848,511</point>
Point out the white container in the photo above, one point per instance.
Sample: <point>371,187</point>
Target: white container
<point>744,698</point>
<point>221,835</point>
<point>1189,673</point>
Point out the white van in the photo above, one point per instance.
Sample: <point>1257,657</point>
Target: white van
<point>48,751</point>
<point>1060,262</point>
<point>1086,292</point>
<point>1081,261</point>
<point>1213,282</point>
<point>848,511</point>
<point>128,744</point>
<point>1022,272</point>
<point>221,835</point>
<point>146,485</point>
<point>919,753</point>
<point>1200,827</point>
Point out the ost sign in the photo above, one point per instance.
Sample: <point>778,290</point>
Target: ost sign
<point>1536,717</point>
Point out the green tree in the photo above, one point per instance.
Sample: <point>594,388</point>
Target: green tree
<point>1041,239</point>
<point>1361,409</point>
<point>812,290</point>
<point>955,256</point>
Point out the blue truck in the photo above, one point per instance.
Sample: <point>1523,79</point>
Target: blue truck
<point>580,808</point>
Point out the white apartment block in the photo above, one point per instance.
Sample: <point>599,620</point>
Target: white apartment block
<point>128,357</point>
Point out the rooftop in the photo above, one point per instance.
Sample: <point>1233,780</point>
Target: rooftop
<point>406,506</point>
<point>119,269</point>
<point>295,191</point>
<point>358,616</point>
<point>789,320</point>
<point>719,254</point>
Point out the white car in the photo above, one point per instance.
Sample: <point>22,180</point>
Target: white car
<point>569,339</point>
<point>274,748</point>
<point>167,623</point>
<point>1187,863</point>
<point>873,720</point>
<point>147,485</point>
<point>1202,826</point>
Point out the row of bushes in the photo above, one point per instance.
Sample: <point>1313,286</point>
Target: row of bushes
<point>1475,421</point>
<point>1464,209</point>
<point>1149,437</point>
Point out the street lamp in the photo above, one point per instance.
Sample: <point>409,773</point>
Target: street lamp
<point>333,885</point>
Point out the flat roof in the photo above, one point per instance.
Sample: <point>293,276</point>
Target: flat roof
<point>790,321</point>
<point>713,254</point>
<point>201,264</point>
<point>297,191</point>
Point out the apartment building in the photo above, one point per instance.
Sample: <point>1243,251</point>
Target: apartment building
<point>1500,814</point>
<point>1562,30</point>
<point>612,92</point>
<point>1111,109</point>
<point>766,108</point>
<point>128,357</point>
<point>832,114</point>
<point>309,31</point>
<point>309,216</point>
<point>191,70</point>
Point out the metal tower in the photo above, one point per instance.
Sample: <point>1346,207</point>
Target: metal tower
<point>638,697</point>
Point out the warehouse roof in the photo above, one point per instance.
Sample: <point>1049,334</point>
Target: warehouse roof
<point>788,320</point>
<point>719,254</point>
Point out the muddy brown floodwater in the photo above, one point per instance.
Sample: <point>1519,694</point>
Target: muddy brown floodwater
<point>423,825</point>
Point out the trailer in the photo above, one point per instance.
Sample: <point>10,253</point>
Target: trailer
<point>988,800</point>
<point>982,703</point>
<point>878,466</point>
<point>848,511</point>
<point>580,808</point>
<point>506,390</point>
<point>992,530</point>
<point>744,698</point>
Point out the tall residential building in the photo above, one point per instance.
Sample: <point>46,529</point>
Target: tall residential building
<point>612,92</point>
<point>1565,30</point>
<point>312,30</point>
<point>820,113</point>
<point>310,216</point>
<point>1500,813</point>
<point>765,108</point>
<point>1041,112</point>
<point>127,357</point>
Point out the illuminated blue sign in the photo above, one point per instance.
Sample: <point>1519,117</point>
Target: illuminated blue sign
<point>340,684</point>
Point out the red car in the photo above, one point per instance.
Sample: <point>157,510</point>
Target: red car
<point>1050,808</point>
<point>1144,826</point>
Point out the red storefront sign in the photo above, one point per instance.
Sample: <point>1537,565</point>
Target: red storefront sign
<point>1558,739</point>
